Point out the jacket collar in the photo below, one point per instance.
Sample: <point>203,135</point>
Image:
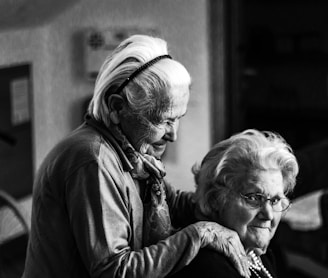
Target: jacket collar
<point>105,132</point>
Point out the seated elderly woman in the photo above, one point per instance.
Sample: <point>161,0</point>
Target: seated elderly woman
<point>242,183</point>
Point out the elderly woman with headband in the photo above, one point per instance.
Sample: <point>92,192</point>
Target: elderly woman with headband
<point>242,183</point>
<point>101,205</point>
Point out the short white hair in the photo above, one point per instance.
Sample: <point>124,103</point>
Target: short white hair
<point>144,94</point>
<point>234,162</point>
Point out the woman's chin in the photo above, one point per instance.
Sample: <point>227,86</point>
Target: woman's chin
<point>156,151</point>
<point>258,251</point>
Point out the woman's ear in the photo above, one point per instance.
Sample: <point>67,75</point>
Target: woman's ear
<point>115,105</point>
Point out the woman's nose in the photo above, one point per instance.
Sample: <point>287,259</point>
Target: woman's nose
<point>267,210</point>
<point>172,131</point>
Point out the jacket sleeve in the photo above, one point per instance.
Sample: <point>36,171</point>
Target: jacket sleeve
<point>100,218</point>
<point>182,206</point>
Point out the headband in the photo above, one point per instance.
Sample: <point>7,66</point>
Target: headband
<point>141,69</point>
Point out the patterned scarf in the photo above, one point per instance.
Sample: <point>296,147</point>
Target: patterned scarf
<point>157,221</point>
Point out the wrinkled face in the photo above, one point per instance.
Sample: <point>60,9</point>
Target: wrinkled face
<point>148,138</point>
<point>256,226</point>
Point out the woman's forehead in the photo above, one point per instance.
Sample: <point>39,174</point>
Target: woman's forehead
<point>267,182</point>
<point>177,100</point>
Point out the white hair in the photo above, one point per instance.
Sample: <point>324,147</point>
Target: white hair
<point>144,94</point>
<point>234,162</point>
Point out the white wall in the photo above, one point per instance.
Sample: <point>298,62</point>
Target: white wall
<point>182,23</point>
<point>55,51</point>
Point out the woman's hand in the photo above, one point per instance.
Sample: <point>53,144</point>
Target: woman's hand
<point>226,241</point>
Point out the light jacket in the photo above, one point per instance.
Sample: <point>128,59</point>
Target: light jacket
<point>87,216</point>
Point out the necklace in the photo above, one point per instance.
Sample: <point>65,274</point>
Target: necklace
<point>256,266</point>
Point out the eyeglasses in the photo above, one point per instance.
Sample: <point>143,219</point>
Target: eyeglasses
<point>258,200</point>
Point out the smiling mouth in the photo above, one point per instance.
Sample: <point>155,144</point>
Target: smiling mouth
<point>159,146</point>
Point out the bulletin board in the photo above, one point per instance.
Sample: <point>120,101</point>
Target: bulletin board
<point>16,161</point>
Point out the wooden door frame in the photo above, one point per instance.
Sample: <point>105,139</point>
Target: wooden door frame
<point>224,35</point>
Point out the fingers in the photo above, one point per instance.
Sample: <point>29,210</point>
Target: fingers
<point>227,242</point>
<point>238,256</point>
<point>234,250</point>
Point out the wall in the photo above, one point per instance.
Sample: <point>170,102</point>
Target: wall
<point>187,38</point>
<point>59,88</point>
<point>188,44</point>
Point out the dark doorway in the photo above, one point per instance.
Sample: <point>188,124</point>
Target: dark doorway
<point>277,53</point>
<point>16,162</point>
